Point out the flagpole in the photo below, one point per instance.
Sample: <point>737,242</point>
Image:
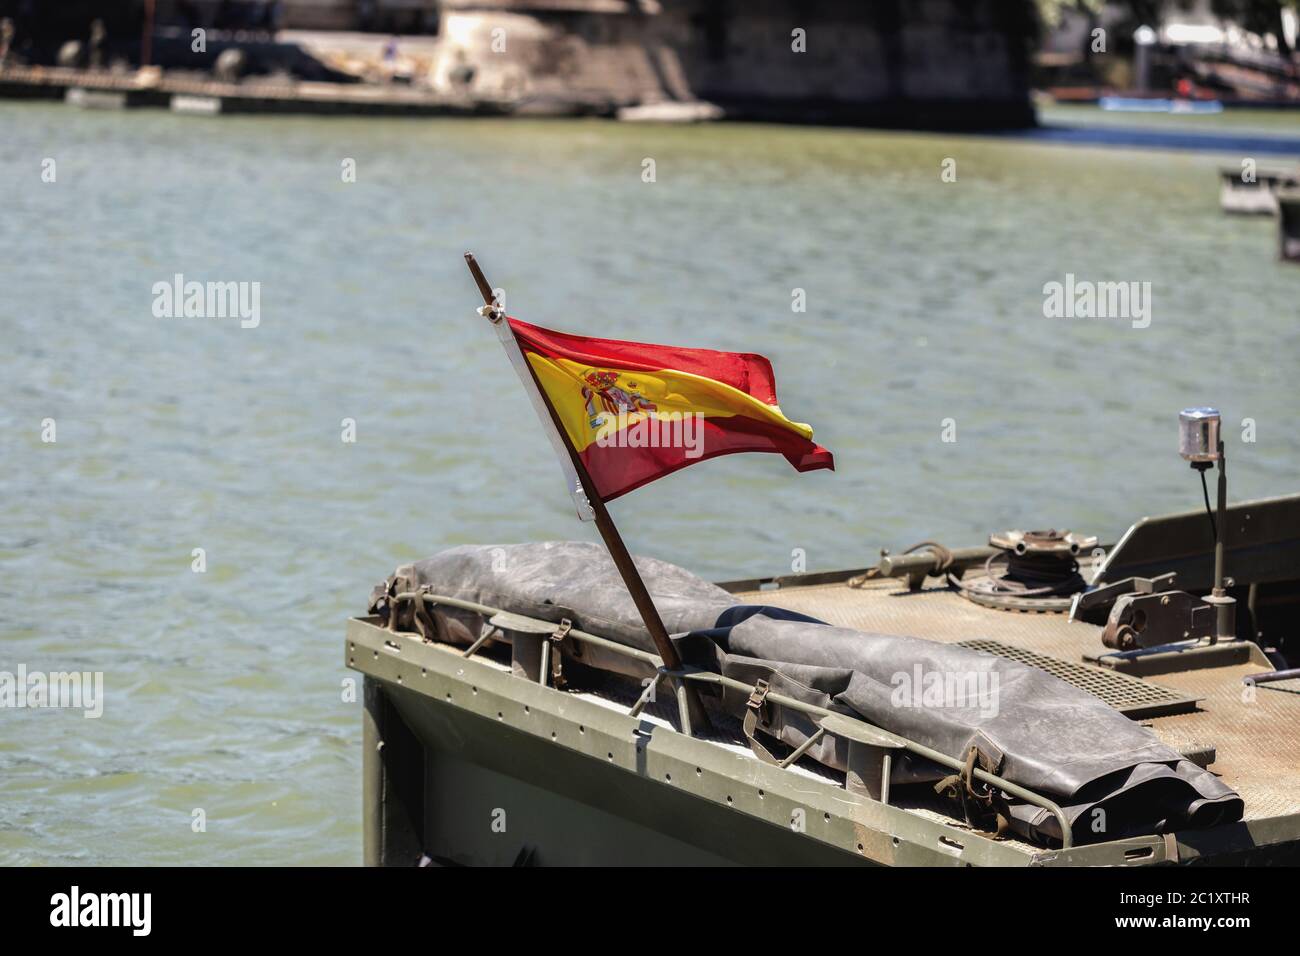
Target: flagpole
<point>693,716</point>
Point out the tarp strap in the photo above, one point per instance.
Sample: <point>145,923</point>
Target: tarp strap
<point>753,718</point>
<point>429,626</point>
<point>979,807</point>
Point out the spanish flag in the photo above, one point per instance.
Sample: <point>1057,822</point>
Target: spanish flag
<point>635,412</point>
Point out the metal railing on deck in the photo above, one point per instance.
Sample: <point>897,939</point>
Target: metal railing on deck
<point>709,677</point>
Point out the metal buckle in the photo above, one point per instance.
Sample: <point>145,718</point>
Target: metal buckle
<point>757,698</point>
<point>556,662</point>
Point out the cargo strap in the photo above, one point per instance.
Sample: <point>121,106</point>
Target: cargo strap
<point>753,718</point>
<point>979,807</point>
<point>429,626</point>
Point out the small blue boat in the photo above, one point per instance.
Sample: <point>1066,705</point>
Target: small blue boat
<point>1134,104</point>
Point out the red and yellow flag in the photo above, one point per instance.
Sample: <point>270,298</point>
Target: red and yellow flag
<point>636,412</point>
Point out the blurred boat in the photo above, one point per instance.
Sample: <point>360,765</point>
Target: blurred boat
<point>1136,104</point>
<point>1253,191</point>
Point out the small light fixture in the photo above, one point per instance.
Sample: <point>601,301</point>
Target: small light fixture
<point>1198,436</point>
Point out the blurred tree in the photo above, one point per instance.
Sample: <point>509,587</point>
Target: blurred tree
<point>1259,16</point>
<point>41,26</point>
<point>1051,10</point>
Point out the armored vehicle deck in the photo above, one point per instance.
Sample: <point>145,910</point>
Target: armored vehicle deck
<point>472,759</point>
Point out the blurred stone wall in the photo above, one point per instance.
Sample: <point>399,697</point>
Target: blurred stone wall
<point>911,62</point>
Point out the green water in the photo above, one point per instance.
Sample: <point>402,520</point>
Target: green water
<point>924,303</point>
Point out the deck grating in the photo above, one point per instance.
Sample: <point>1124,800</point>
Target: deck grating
<point>1129,695</point>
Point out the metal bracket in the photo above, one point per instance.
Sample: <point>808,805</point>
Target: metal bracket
<point>804,747</point>
<point>482,639</point>
<point>1091,605</point>
<point>757,698</point>
<point>870,755</point>
<point>648,694</point>
<point>1153,619</point>
<point>552,663</point>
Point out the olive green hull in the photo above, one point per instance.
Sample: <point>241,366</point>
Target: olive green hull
<point>466,763</point>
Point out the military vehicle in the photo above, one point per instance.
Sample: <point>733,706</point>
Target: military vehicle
<point>1042,700</point>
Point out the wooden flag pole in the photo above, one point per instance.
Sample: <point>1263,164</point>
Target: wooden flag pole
<point>693,716</point>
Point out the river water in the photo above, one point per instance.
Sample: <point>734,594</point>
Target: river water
<point>224,691</point>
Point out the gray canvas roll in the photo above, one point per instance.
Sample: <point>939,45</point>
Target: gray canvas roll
<point>1111,776</point>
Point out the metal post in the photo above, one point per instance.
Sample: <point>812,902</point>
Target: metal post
<point>1225,628</point>
<point>393,787</point>
<point>1144,39</point>
<point>146,37</point>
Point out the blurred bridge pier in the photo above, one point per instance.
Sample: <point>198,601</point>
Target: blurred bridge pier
<point>941,64</point>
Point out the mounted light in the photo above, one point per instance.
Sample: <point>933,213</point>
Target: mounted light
<point>1198,436</point>
<point>1199,443</point>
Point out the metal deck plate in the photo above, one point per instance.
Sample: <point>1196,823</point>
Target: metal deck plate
<point>1130,696</point>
